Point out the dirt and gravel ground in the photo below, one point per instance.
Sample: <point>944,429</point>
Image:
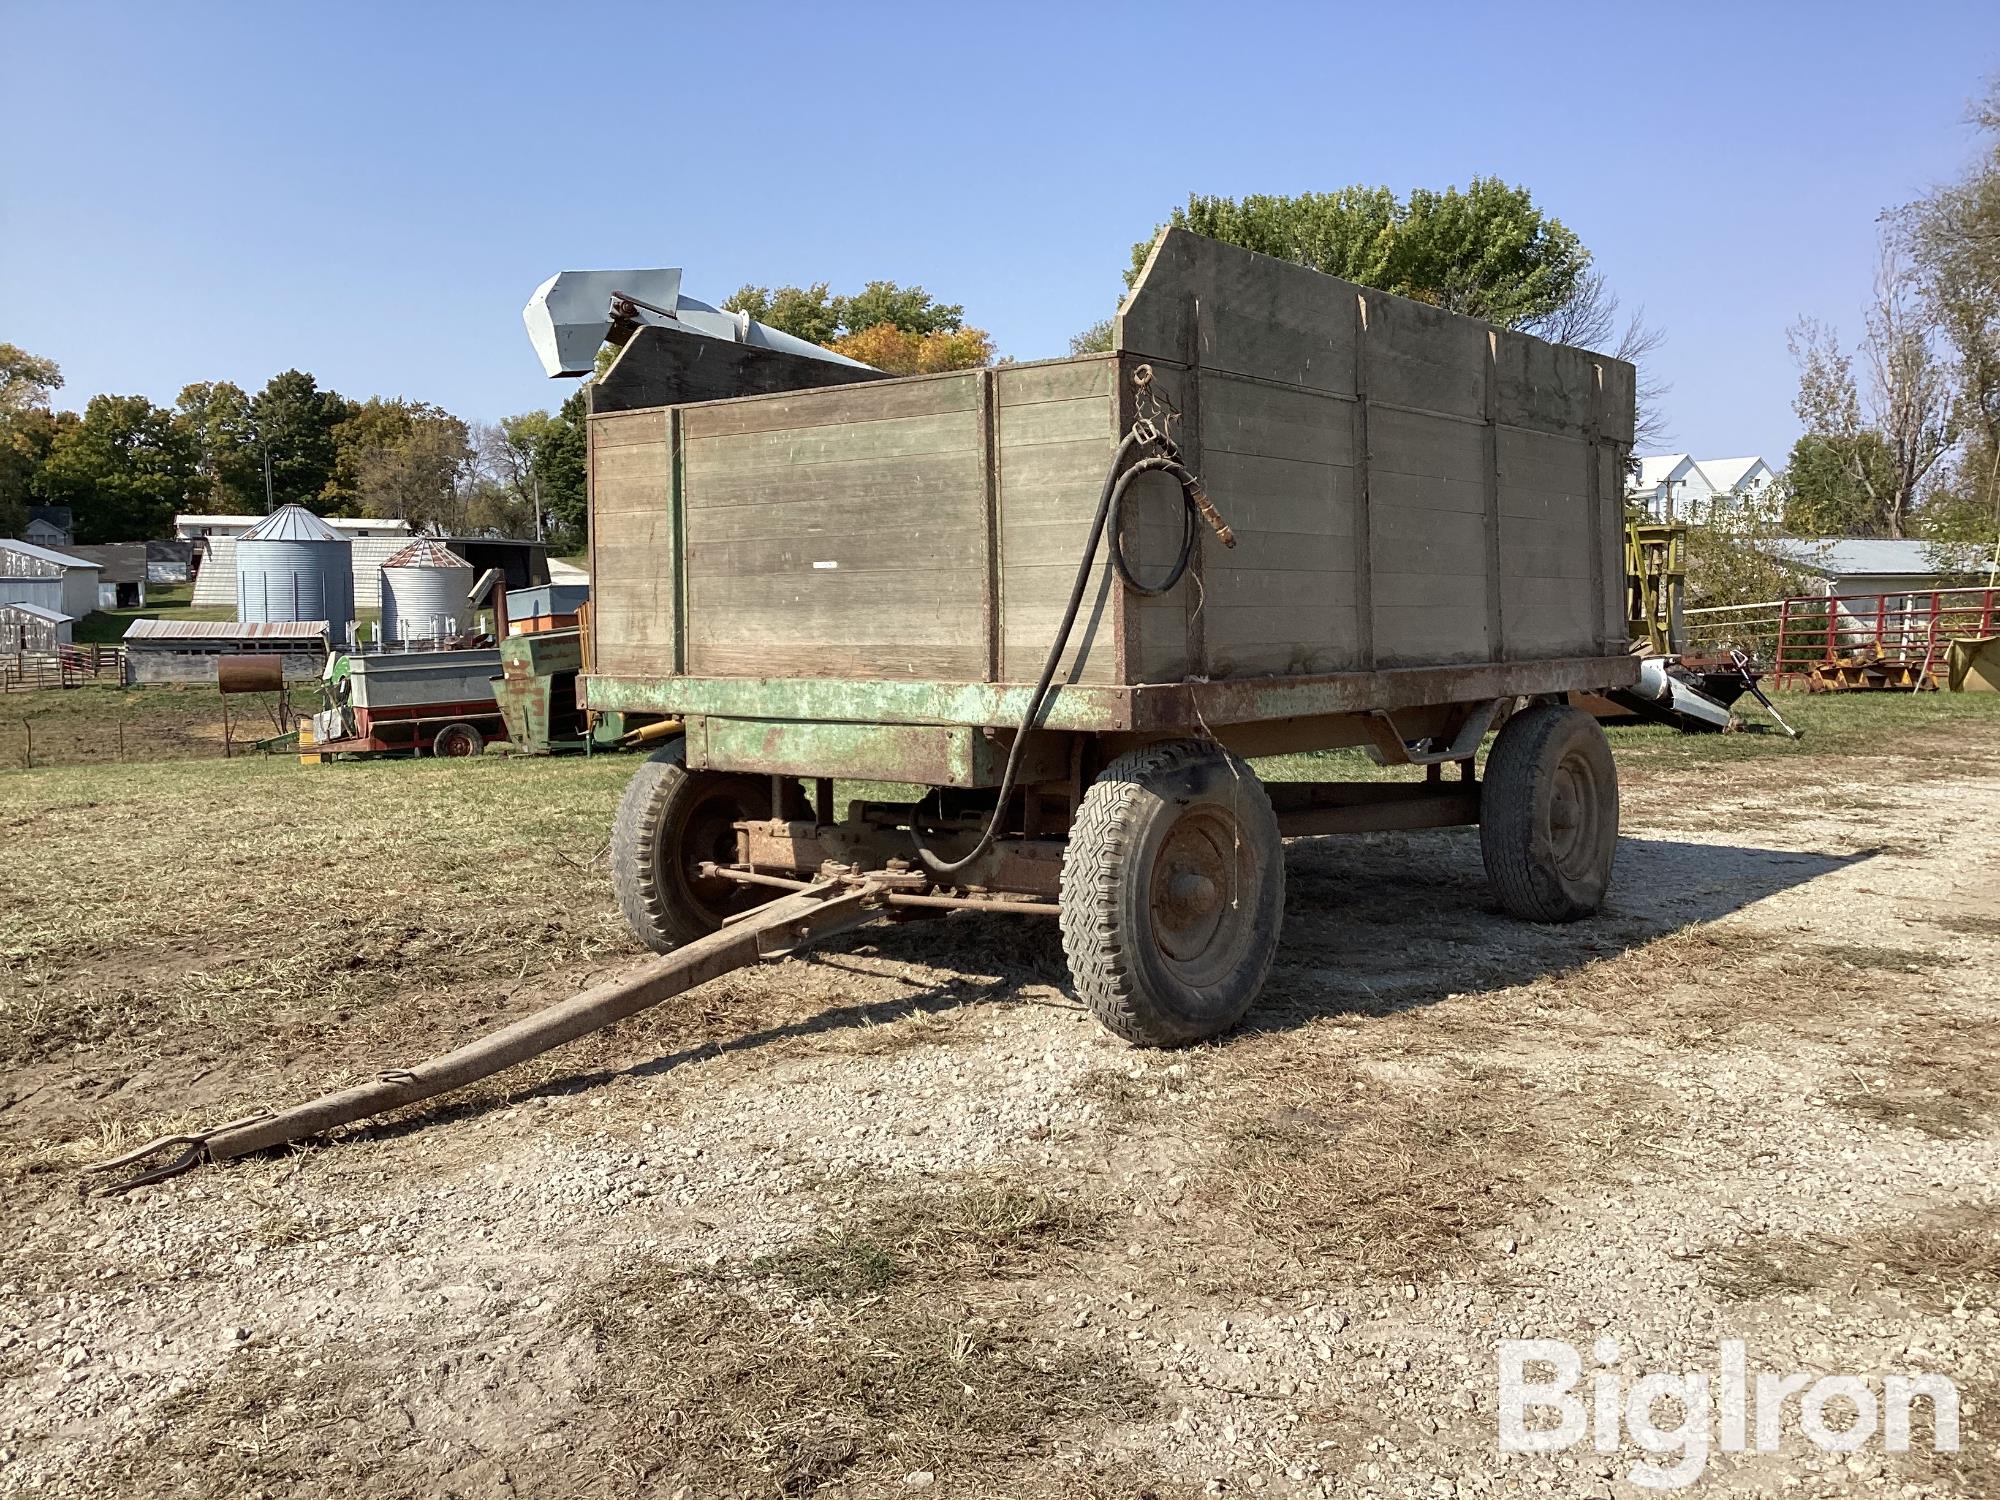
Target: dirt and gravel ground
<point>896,1218</point>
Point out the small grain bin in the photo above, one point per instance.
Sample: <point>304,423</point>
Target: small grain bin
<point>426,592</point>
<point>293,566</point>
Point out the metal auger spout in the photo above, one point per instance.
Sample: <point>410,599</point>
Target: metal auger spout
<point>574,313</point>
<point>766,932</point>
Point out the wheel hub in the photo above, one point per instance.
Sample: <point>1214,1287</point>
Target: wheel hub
<point>1191,875</point>
<point>1573,805</point>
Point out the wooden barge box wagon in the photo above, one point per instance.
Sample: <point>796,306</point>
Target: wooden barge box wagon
<point>1061,605</point>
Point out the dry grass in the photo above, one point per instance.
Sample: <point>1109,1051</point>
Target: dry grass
<point>1337,1169</point>
<point>1927,1071</point>
<point>276,1422</point>
<point>175,918</point>
<point>727,1382</point>
<point>983,1231</point>
<point>1938,1259</point>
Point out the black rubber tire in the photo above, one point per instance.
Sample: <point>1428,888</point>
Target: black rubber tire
<point>670,820</point>
<point>1548,814</point>
<point>457,741</point>
<point>1139,880</point>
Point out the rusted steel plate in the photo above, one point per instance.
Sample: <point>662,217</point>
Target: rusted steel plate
<point>1022,867</point>
<point>1307,809</point>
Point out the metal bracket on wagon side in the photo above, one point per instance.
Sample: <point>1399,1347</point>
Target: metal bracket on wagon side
<point>1389,748</point>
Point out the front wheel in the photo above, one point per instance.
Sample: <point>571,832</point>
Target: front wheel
<point>1548,814</point>
<point>670,822</point>
<point>1173,891</point>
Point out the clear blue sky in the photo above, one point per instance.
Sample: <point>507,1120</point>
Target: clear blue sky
<point>370,191</point>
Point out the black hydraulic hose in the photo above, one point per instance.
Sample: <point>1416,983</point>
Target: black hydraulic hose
<point>1116,480</point>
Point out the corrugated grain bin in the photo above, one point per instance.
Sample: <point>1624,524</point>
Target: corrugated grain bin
<point>293,566</point>
<point>426,592</point>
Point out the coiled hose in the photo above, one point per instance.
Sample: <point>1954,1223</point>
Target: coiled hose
<point>1110,501</point>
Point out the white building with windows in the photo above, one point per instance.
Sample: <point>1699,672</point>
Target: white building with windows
<point>1681,487</point>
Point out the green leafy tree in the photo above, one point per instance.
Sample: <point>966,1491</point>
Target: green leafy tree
<point>26,380</point>
<point>294,420</point>
<point>215,414</point>
<point>1831,481</point>
<point>804,312</point>
<point>1096,339</point>
<point>1486,250</point>
<point>364,430</point>
<point>909,308</point>
<point>124,470</point>
<point>26,438</point>
<point>1907,415</point>
<point>408,460</point>
<point>561,468</point>
<point>814,313</point>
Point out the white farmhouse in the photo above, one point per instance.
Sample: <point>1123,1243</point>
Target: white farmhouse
<point>1680,487</point>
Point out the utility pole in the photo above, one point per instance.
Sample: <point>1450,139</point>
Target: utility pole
<point>535,488</point>
<point>268,505</point>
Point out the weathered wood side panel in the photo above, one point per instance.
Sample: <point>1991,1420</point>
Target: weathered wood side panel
<point>1281,462</point>
<point>1053,439</point>
<point>838,533</point>
<point>633,565</point>
<point>1409,487</point>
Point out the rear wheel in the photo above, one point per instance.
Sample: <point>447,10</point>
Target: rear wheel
<point>458,740</point>
<point>1548,814</point>
<point>670,821</point>
<point>1173,891</point>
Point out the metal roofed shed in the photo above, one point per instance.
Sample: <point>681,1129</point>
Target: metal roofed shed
<point>31,627</point>
<point>189,650</point>
<point>426,592</point>
<point>59,581</point>
<point>292,566</point>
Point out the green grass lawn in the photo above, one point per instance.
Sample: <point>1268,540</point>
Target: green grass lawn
<point>164,601</point>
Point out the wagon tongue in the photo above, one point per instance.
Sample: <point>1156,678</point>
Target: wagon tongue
<point>764,933</point>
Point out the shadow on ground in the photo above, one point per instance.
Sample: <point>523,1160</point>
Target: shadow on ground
<point>1373,925</point>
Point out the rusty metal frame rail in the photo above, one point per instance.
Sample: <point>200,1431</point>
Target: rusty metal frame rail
<point>769,932</point>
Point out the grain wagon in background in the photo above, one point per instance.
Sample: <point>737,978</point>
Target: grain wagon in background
<point>1047,612</point>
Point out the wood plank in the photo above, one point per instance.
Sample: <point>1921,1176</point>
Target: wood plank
<point>1422,586</point>
<point>1542,386</point>
<point>1548,616</point>
<point>1438,633</point>
<point>620,463</point>
<point>881,400</point>
<point>861,442</point>
<point>1259,316</point>
<point>1056,380</point>
<point>1273,421</point>
<point>1278,494</point>
<point>1424,358</point>
<point>616,429</point>
<point>1404,442</point>
<point>843,493</point>
<point>943,549</point>
<point>1055,422</point>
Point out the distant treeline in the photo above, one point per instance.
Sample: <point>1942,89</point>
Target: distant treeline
<point>126,467</point>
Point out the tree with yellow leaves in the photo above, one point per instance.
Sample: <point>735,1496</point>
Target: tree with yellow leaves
<point>899,330</point>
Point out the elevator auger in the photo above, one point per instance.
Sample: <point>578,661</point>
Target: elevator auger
<point>797,920</point>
